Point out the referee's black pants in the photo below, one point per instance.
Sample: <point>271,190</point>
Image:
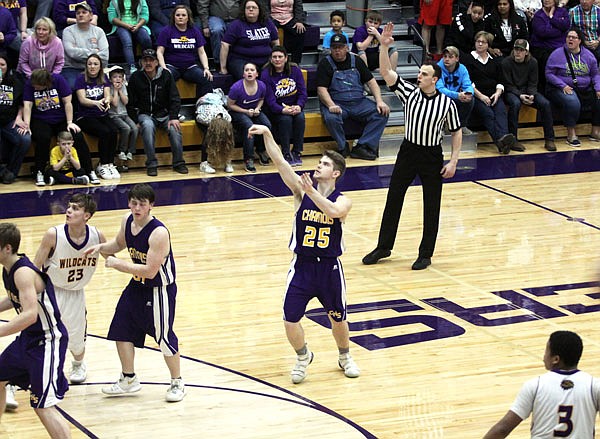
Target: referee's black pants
<point>413,160</point>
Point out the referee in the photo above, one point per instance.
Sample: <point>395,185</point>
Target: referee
<point>426,111</point>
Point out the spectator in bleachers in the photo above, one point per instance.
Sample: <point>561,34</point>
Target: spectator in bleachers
<point>215,16</point>
<point>366,44</point>
<point>129,23</point>
<point>574,82</point>
<point>248,39</point>
<point>154,99</point>
<point>456,84</point>
<point>180,46</point>
<point>160,14</point>
<point>337,19</point>
<point>80,40</point>
<point>93,92</point>
<point>285,100</point>
<point>18,11</point>
<point>506,26</point>
<point>8,30</point>
<point>586,17</point>
<point>341,78</point>
<point>244,101</point>
<point>520,73</point>
<point>64,166</point>
<point>435,14</point>
<point>486,75</point>
<point>64,13</point>
<point>48,110</point>
<point>549,29</point>
<point>464,27</point>
<point>289,16</point>
<point>128,129</point>
<point>42,50</point>
<point>14,140</point>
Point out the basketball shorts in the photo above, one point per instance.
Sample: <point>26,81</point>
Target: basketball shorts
<point>310,277</point>
<point>71,304</point>
<point>142,311</point>
<point>37,364</point>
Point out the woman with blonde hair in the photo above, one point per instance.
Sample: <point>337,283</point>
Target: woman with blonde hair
<point>42,50</point>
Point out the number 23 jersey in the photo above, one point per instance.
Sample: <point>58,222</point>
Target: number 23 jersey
<point>314,233</point>
<point>68,267</point>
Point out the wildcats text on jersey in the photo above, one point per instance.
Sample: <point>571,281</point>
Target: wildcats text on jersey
<point>86,261</point>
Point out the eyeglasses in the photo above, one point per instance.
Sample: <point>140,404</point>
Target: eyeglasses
<point>572,37</point>
<point>481,42</point>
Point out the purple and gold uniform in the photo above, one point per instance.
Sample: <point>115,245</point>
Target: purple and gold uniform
<point>35,359</point>
<point>147,306</point>
<point>315,270</point>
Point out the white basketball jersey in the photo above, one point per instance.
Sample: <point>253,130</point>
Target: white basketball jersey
<point>68,267</point>
<point>564,404</point>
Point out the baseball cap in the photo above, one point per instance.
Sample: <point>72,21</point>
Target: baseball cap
<point>83,5</point>
<point>521,44</point>
<point>149,53</point>
<point>115,68</point>
<point>339,39</point>
<point>452,50</point>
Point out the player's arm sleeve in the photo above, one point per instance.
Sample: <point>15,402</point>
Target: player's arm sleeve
<point>523,405</point>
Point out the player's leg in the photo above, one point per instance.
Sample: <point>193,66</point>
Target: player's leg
<point>56,426</point>
<point>3,385</point>
<point>73,314</point>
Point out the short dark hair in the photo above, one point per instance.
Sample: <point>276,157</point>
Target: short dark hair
<point>86,201</point>
<point>339,162</point>
<point>337,13</point>
<point>478,4</point>
<point>9,234</point>
<point>568,346</point>
<point>141,191</point>
<point>262,14</point>
<point>578,32</point>
<point>437,70</point>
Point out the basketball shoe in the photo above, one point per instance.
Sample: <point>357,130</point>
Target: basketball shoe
<point>299,370</point>
<point>11,402</point>
<point>176,391</point>
<point>123,385</point>
<point>78,372</point>
<point>350,368</point>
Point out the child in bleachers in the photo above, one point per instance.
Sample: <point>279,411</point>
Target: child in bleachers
<point>128,129</point>
<point>64,162</point>
<point>366,43</point>
<point>337,19</point>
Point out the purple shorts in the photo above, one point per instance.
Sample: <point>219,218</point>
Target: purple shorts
<point>145,311</point>
<point>37,364</point>
<point>310,277</point>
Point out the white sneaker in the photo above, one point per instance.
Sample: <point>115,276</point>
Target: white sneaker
<point>50,181</point>
<point>11,402</point>
<point>113,171</point>
<point>122,156</point>
<point>350,368</point>
<point>104,172</point>
<point>299,370</point>
<point>129,156</point>
<point>39,179</point>
<point>123,385</point>
<point>206,168</point>
<point>176,391</point>
<point>94,178</point>
<point>78,372</point>
<point>229,167</point>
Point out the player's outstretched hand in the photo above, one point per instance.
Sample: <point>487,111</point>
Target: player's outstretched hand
<point>92,250</point>
<point>257,129</point>
<point>306,182</point>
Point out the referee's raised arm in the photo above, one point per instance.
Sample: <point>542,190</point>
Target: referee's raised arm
<point>385,67</point>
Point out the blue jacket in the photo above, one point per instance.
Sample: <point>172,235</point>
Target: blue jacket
<point>452,83</point>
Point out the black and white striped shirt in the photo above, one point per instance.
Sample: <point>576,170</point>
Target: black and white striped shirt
<point>425,115</point>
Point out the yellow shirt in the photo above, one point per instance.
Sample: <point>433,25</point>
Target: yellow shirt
<point>56,155</point>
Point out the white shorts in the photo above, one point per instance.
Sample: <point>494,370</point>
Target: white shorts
<point>72,310</point>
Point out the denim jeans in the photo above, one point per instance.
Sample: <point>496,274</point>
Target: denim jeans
<point>494,118</point>
<point>365,111</point>
<point>242,122</point>
<point>571,106</point>
<point>70,74</point>
<point>193,74</point>
<point>290,129</point>
<point>217,28</point>
<point>13,147</point>
<point>127,37</point>
<point>540,103</point>
<point>148,126</point>
<point>128,133</point>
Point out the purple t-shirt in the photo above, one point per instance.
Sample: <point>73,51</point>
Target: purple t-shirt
<point>47,104</point>
<point>181,48</point>
<point>360,35</point>
<point>14,7</point>
<point>284,89</point>
<point>250,40</point>
<point>238,94</point>
<point>93,91</point>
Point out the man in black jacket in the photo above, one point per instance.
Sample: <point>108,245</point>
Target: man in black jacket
<point>154,98</point>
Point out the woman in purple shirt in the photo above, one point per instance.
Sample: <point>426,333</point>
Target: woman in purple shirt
<point>285,100</point>
<point>47,110</point>
<point>248,39</point>
<point>93,92</point>
<point>245,101</point>
<point>179,48</point>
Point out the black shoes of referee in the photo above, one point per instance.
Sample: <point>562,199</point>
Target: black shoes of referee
<point>375,256</point>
